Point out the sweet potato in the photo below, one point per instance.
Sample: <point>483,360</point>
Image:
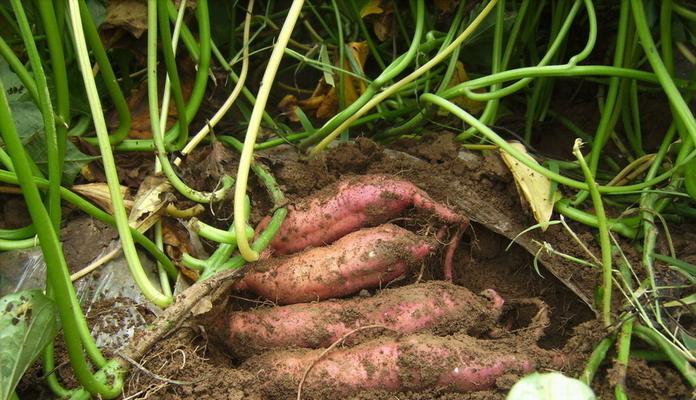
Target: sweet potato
<point>351,204</point>
<point>441,306</point>
<point>413,363</point>
<point>364,259</point>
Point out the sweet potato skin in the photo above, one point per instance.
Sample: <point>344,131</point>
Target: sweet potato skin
<point>413,363</point>
<point>364,259</point>
<point>351,204</point>
<point>436,305</point>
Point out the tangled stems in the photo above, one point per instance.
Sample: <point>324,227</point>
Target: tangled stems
<point>153,101</point>
<point>680,362</point>
<point>389,73</point>
<point>247,252</point>
<point>56,267</point>
<point>377,99</point>
<point>120,216</point>
<point>233,95</point>
<point>220,260</point>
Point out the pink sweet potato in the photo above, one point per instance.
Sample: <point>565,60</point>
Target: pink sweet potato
<point>349,205</point>
<point>364,259</point>
<point>414,363</point>
<point>441,306</point>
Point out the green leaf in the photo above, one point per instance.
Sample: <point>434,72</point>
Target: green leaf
<point>27,324</point>
<point>550,386</point>
<point>27,118</point>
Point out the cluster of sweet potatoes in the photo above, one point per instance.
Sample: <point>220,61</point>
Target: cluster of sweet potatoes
<point>335,244</point>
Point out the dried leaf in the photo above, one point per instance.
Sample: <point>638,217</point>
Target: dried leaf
<point>534,188</point>
<point>382,24</point>
<point>130,15</point>
<point>153,196</point>
<point>370,8</point>
<point>99,194</point>
<point>176,239</point>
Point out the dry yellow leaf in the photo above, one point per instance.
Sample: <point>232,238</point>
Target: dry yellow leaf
<point>370,8</point>
<point>534,188</point>
<point>99,194</point>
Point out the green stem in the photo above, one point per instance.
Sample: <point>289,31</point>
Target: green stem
<point>110,82</point>
<point>253,129</point>
<point>623,227</point>
<point>217,235</point>
<point>610,110</point>
<point>52,147</point>
<point>22,73</point>
<point>556,71</point>
<point>679,106</point>
<point>604,240</point>
<point>678,360</point>
<point>622,357</point>
<point>153,101</point>
<point>596,358</point>
<point>19,233</point>
<point>60,79</point>
<point>134,264</point>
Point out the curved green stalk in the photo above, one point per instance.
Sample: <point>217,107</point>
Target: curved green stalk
<point>679,106</point>
<point>604,240</point>
<point>245,162</point>
<point>172,73</point>
<point>18,244</point>
<point>174,139</point>
<point>421,117</point>
<point>490,112</point>
<point>110,82</point>
<point>217,235</point>
<point>157,136</point>
<point>608,115</point>
<point>120,216</point>
<point>596,358</point>
<point>555,45</point>
<point>45,105</point>
<point>19,233</point>
<point>622,357</point>
<point>60,79</point>
<point>239,86</point>
<point>556,71</point>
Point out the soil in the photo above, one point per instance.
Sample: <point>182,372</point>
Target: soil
<point>476,185</point>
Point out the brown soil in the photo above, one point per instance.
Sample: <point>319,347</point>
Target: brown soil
<point>476,185</point>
